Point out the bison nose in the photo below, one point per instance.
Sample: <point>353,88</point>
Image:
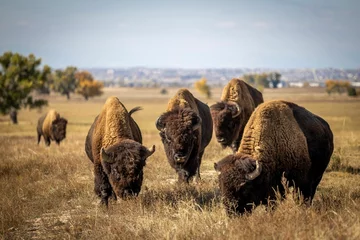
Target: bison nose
<point>221,140</point>
<point>179,157</point>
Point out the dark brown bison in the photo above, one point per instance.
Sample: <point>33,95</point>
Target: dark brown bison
<point>279,138</point>
<point>230,116</point>
<point>52,127</point>
<point>114,145</point>
<point>185,130</point>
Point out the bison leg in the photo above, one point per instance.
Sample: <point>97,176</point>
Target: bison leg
<point>102,186</point>
<point>198,178</point>
<point>39,138</point>
<point>47,141</point>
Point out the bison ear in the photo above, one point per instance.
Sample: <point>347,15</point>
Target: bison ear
<point>160,125</point>
<point>254,174</point>
<point>150,151</point>
<point>105,156</point>
<point>235,109</point>
<point>196,122</point>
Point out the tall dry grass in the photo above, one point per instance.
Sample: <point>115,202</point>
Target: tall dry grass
<point>47,193</point>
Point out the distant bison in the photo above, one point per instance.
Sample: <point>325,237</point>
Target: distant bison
<point>230,116</point>
<point>185,130</point>
<point>279,138</point>
<point>52,127</point>
<point>114,145</point>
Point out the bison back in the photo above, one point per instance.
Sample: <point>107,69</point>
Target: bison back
<point>206,125</point>
<point>318,135</point>
<point>89,139</point>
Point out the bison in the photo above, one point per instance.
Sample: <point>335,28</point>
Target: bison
<point>114,145</point>
<point>280,139</point>
<point>185,130</point>
<point>230,116</point>
<point>52,127</point>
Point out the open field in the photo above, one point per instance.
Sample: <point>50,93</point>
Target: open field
<point>47,193</point>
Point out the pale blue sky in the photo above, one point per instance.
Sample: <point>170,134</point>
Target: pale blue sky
<point>187,34</point>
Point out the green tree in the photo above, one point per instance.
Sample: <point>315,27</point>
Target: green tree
<point>65,81</point>
<point>19,76</point>
<point>274,78</point>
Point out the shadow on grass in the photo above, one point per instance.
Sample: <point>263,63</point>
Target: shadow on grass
<point>342,168</point>
<point>204,198</point>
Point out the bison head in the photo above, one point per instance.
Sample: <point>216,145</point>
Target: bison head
<point>226,119</point>
<point>58,129</point>
<point>179,132</point>
<point>123,164</point>
<point>240,181</point>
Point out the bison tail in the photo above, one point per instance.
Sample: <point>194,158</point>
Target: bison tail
<point>135,109</point>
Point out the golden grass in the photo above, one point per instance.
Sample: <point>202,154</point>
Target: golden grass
<point>47,193</point>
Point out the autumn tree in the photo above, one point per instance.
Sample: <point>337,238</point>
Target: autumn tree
<point>19,77</point>
<point>202,87</point>
<point>336,86</point>
<point>64,81</point>
<point>257,80</point>
<point>87,86</point>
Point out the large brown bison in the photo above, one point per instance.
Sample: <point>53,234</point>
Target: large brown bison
<point>185,130</point>
<point>230,116</point>
<point>279,138</point>
<point>52,127</point>
<point>114,145</point>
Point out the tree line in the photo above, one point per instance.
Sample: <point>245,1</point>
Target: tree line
<point>21,76</point>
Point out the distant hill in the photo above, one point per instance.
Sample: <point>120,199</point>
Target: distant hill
<point>215,76</point>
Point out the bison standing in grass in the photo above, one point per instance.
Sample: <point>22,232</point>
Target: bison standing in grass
<point>230,116</point>
<point>52,127</point>
<point>279,138</point>
<point>185,130</point>
<point>114,145</point>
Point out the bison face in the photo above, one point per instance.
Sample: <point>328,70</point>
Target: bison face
<point>58,129</point>
<point>123,164</point>
<point>226,119</point>
<point>240,182</point>
<point>179,133</point>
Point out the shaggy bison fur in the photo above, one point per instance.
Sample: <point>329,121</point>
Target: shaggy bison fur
<point>280,139</point>
<point>231,114</point>
<point>185,130</point>
<point>114,145</point>
<point>52,127</point>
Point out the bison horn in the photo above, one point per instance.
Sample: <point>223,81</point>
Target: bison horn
<point>238,110</point>
<point>105,156</point>
<point>159,124</point>
<point>197,124</point>
<point>150,151</point>
<point>254,174</point>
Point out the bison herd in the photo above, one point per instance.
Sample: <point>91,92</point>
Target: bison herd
<point>269,141</point>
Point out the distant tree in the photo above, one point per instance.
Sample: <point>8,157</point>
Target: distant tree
<point>87,86</point>
<point>202,86</point>
<point>46,81</point>
<point>163,91</point>
<point>261,80</point>
<point>351,91</point>
<point>306,84</point>
<point>249,78</point>
<point>19,76</point>
<point>65,81</point>
<point>338,86</point>
<point>274,78</point>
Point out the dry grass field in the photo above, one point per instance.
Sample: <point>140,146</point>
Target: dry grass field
<point>47,192</point>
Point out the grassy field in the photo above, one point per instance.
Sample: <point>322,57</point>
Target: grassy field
<point>47,192</point>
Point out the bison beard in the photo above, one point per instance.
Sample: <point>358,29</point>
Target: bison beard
<point>179,134</point>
